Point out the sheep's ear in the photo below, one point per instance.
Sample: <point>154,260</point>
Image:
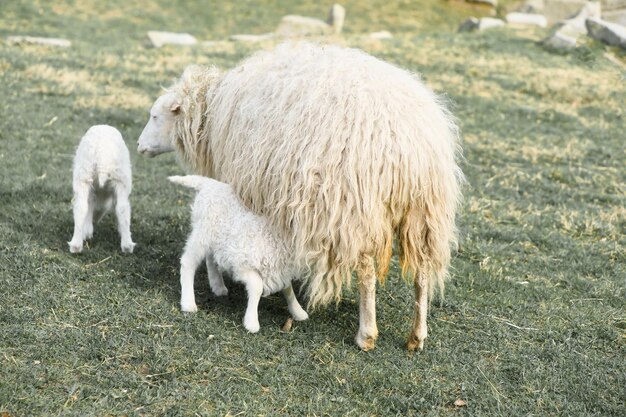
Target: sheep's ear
<point>175,107</point>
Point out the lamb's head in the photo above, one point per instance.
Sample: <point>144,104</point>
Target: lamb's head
<point>157,136</point>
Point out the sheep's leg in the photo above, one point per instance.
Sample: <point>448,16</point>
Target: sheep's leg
<point>420,329</point>
<point>296,310</point>
<point>189,263</point>
<point>81,209</point>
<point>368,331</point>
<point>254,286</point>
<point>88,228</point>
<point>216,281</point>
<point>122,211</point>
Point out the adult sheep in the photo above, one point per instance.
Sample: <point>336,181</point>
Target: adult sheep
<point>341,151</point>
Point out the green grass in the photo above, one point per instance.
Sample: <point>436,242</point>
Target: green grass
<point>534,320</point>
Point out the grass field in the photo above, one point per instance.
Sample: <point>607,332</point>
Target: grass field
<point>534,319</point>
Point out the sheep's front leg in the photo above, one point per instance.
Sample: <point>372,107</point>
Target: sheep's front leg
<point>368,331</point>
<point>189,263</point>
<point>81,209</point>
<point>254,286</point>
<point>216,281</point>
<point>296,310</point>
<point>420,329</point>
<point>122,211</point>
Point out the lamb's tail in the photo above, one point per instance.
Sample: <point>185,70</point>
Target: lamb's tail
<point>103,178</point>
<point>192,181</point>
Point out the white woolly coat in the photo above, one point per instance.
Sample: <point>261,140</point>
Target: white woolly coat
<point>342,152</point>
<point>101,156</point>
<point>237,238</point>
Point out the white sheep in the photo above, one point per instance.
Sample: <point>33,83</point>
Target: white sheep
<point>340,151</point>
<point>233,239</point>
<point>101,179</point>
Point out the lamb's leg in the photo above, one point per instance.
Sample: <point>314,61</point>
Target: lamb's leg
<point>216,281</point>
<point>88,228</point>
<point>122,211</point>
<point>189,262</point>
<point>420,329</point>
<point>368,331</point>
<point>81,208</point>
<point>254,286</point>
<point>296,310</point>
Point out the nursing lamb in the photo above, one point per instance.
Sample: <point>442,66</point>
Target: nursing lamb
<point>233,239</point>
<point>101,179</point>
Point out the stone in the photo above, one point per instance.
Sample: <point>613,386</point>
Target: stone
<point>60,42</point>
<point>473,24</point>
<point>532,6</point>
<point>337,17</point>
<point>491,3</point>
<point>557,10</point>
<point>294,25</point>
<point>383,34</point>
<point>252,38</point>
<point>526,19</point>
<point>158,38</point>
<point>606,32</point>
<point>615,16</point>
<point>565,34</point>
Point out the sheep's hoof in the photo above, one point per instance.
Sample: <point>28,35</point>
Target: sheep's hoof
<point>88,232</point>
<point>220,292</point>
<point>189,308</point>
<point>76,247</point>
<point>366,343</point>
<point>128,247</point>
<point>415,343</point>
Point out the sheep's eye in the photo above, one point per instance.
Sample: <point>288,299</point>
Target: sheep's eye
<point>154,116</point>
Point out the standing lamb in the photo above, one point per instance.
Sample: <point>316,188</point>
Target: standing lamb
<point>233,239</point>
<point>342,152</point>
<point>102,179</point>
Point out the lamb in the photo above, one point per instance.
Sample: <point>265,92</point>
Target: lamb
<point>101,179</point>
<point>233,239</point>
<point>340,151</point>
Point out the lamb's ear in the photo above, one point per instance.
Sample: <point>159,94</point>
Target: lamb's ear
<point>175,107</point>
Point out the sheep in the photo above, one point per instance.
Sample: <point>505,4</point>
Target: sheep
<point>101,179</point>
<point>340,151</point>
<point>233,239</point>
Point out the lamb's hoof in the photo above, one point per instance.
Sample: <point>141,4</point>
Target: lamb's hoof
<point>75,247</point>
<point>189,308</point>
<point>128,247</point>
<point>88,233</point>
<point>220,292</point>
<point>415,343</point>
<point>252,326</point>
<point>366,343</point>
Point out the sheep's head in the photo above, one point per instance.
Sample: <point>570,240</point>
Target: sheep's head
<point>156,137</point>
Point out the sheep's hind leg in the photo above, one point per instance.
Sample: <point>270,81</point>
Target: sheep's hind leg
<point>81,209</point>
<point>254,286</point>
<point>88,228</point>
<point>296,310</point>
<point>368,331</point>
<point>216,281</point>
<point>189,262</point>
<point>420,329</point>
<point>122,211</point>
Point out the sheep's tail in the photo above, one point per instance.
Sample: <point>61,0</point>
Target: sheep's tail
<point>191,181</point>
<point>103,178</point>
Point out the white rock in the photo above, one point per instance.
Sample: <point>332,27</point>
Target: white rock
<point>560,41</point>
<point>383,34</point>
<point>557,10</point>
<point>526,19</point>
<point>615,16</point>
<point>159,38</point>
<point>532,6</point>
<point>609,33</point>
<point>492,3</point>
<point>63,43</point>
<point>337,17</point>
<point>294,25</point>
<point>473,24</point>
<point>252,38</point>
